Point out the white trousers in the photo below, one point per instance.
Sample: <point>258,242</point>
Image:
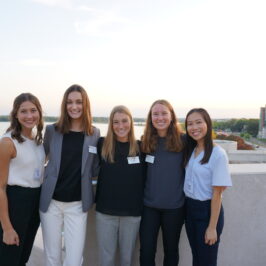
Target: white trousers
<point>116,232</point>
<point>69,218</point>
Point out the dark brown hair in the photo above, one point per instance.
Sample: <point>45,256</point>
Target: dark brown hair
<point>191,143</point>
<point>173,137</point>
<point>15,126</point>
<point>64,122</point>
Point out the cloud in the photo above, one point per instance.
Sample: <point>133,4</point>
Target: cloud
<point>67,4</point>
<point>58,3</point>
<point>101,24</point>
<point>86,8</point>
<point>36,62</point>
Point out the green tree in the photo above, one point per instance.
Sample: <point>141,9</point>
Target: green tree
<point>246,136</point>
<point>238,125</point>
<point>253,127</point>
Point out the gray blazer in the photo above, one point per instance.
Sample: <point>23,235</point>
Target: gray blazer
<point>89,167</point>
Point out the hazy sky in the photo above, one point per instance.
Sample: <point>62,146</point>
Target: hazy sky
<point>194,53</point>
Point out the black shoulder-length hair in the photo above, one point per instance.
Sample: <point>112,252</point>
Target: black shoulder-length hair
<point>191,143</point>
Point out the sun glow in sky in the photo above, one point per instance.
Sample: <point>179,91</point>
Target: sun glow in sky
<point>194,53</point>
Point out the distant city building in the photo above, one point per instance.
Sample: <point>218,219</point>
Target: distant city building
<point>262,124</point>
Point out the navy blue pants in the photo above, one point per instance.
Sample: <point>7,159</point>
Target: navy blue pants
<point>196,222</point>
<point>171,222</point>
<point>23,207</point>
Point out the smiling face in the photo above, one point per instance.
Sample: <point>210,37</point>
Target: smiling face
<point>28,116</point>
<point>121,126</point>
<point>74,105</point>
<point>161,118</point>
<point>197,127</point>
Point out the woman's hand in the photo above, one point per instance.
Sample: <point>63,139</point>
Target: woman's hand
<point>10,237</point>
<point>210,236</point>
<point>216,202</point>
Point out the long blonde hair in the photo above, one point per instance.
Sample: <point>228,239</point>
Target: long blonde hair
<point>108,149</point>
<point>64,122</point>
<point>173,136</point>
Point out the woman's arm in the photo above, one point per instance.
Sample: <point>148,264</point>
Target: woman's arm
<point>7,152</point>
<point>216,202</point>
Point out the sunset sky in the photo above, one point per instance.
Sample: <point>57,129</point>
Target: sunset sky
<point>194,53</point>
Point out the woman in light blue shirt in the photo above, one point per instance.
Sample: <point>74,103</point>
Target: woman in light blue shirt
<point>207,176</point>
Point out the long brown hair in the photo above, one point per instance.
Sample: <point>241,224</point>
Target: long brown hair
<point>173,137</point>
<point>64,122</point>
<point>108,149</point>
<point>191,143</point>
<point>15,126</point>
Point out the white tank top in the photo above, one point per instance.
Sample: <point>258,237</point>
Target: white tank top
<point>26,169</point>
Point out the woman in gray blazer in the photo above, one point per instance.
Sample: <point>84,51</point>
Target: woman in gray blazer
<point>70,147</point>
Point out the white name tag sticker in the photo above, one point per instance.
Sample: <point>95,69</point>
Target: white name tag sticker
<point>92,149</point>
<point>133,160</point>
<point>149,159</point>
<point>37,174</point>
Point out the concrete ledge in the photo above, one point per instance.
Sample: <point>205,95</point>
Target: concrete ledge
<point>239,156</point>
<point>248,169</point>
<point>227,145</point>
<point>243,240</point>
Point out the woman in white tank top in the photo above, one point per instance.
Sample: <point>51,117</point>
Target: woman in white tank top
<point>21,172</point>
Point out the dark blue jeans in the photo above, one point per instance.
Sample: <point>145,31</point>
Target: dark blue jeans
<point>196,222</point>
<point>171,222</point>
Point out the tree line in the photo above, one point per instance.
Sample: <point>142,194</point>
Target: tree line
<point>250,126</point>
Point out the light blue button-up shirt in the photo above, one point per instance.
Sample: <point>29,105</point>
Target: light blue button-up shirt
<point>200,178</point>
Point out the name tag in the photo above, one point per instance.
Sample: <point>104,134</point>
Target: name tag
<point>92,149</point>
<point>133,160</point>
<point>37,174</point>
<point>149,159</point>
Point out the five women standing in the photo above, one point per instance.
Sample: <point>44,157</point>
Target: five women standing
<point>21,171</point>
<point>74,156</point>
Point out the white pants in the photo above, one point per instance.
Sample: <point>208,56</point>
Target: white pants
<point>67,217</point>
<point>116,231</point>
